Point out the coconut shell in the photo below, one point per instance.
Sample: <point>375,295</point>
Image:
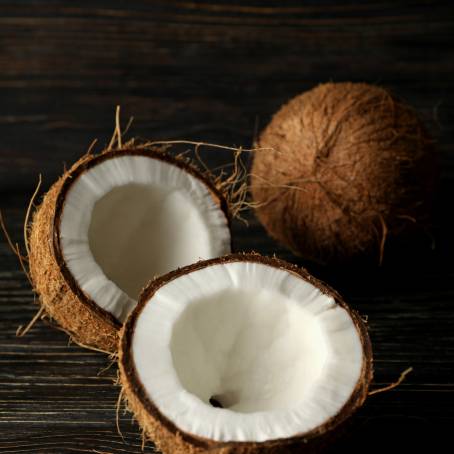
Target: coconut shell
<point>340,168</point>
<point>171,440</point>
<point>59,294</point>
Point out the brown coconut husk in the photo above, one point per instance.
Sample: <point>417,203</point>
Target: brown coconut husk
<point>69,308</point>
<point>60,298</point>
<point>347,166</point>
<point>171,440</point>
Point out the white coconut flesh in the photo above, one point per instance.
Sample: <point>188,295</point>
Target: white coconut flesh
<point>276,353</point>
<point>131,218</point>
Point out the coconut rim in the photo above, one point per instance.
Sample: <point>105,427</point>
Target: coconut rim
<point>127,365</point>
<point>71,177</point>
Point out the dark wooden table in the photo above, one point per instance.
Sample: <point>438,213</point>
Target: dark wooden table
<point>215,72</point>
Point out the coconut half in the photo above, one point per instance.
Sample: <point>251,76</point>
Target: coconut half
<point>245,354</point>
<point>109,225</point>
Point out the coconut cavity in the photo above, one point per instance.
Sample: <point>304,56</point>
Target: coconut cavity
<point>340,169</point>
<point>153,229</point>
<point>242,349</point>
<point>111,224</point>
<point>131,218</point>
<point>217,342</point>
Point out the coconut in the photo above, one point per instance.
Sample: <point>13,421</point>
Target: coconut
<point>339,169</point>
<point>112,222</point>
<point>243,354</point>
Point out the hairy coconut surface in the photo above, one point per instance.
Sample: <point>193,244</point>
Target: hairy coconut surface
<point>243,354</point>
<point>61,301</point>
<point>94,243</point>
<point>340,168</point>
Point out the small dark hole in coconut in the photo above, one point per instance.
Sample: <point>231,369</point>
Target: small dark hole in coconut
<point>215,403</point>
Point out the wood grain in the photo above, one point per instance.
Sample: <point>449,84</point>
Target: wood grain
<point>216,72</point>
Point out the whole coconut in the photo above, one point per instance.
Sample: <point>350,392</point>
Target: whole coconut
<point>340,168</point>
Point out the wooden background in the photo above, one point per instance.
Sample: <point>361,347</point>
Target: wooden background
<point>215,72</point>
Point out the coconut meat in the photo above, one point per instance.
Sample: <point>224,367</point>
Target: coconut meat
<point>131,218</point>
<point>276,353</point>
